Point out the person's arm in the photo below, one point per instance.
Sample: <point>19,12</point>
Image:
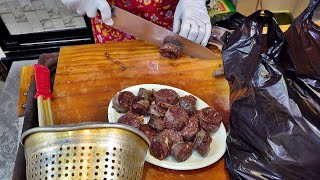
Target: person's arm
<point>191,20</point>
<point>90,7</point>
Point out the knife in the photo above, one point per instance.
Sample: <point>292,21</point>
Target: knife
<point>148,31</point>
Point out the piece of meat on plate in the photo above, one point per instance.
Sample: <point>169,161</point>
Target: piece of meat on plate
<point>175,118</point>
<point>131,119</point>
<point>168,96</point>
<point>155,110</point>
<point>141,107</point>
<point>122,101</point>
<point>156,123</point>
<point>145,94</point>
<point>209,119</point>
<point>159,148</point>
<point>202,142</point>
<point>181,151</point>
<point>171,136</point>
<point>188,103</point>
<point>191,129</point>
<point>148,131</point>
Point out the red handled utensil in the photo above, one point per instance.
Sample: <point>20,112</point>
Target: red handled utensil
<point>43,95</point>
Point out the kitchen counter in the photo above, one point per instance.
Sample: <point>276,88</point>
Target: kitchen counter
<point>10,124</point>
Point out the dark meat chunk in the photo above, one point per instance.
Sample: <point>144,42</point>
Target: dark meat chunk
<point>176,118</point>
<point>122,101</point>
<point>159,148</point>
<point>188,103</point>
<point>181,151</point>
<point>202,142</point>
<point>171,48</point>
<point>141,107</point>
<point>165,106</point>
<point>171,136</point>
<point>157,111</point>
<point>156,123</point>
<point>167,96</point>
<point>209,118</point>
<point>149,132</point>
<point>145,94</point>
<point>191,129</point>
<point>210,127</point>
<point>131,119</point>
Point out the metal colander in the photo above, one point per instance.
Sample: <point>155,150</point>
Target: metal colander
<point>96,151</point>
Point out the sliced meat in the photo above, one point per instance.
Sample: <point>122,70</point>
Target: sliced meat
<point>145,94</point>
<point>202,142</point>
<point>148,131</point>
<point>210,127</point>
<point>156,123</point>
<point>167,96</point>
<point>171,136</point>
<point>181,151</point>
<point>191,129</point>
<point>165,106</point>
<point>209,118</point>
<point>159,148</point>
<point>122,101</point>
<point>141,107</point>
<point>157,111</point>
<point>171,48</point>
<point>176,118</point>
<point>131,119</point>
<point>188,103</point>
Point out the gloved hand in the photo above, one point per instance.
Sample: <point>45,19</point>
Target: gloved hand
<point>90,7</point>
<point>191,20</point>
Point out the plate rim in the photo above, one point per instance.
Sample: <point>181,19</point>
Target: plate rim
<point>178,166</point>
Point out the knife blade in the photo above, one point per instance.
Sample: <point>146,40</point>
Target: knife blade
<point>148,31</point>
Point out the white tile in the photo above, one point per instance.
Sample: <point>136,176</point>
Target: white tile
<point>26,5</point>
<point>4,8</point>
<point>36,30</point>
<point>34,21</point>
<point>38,4</point>
<point>12,27</point>
<point>79,21</point>
<point>54,13</point>
<point>17,11</point>
<point>58,24</point>
<point>42,14</point>
<point>46,24</point>
<point>8,18</point>
<point>50,4</point>
<point>24,27</point>
<point>68,21</point>
<point>49,29</point>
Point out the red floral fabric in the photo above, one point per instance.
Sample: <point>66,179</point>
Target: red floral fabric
<point>159,12</point>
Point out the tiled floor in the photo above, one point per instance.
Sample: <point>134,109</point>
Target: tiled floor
<point>27,16</point>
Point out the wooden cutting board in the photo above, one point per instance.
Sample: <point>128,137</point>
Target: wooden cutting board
<point>86,80</point>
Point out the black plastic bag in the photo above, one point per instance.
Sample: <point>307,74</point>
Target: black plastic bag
<point>274,130</point>
<point>304,38</point>
<point>229,21</point>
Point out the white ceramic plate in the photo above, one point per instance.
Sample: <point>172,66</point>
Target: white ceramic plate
<point>196,161</point>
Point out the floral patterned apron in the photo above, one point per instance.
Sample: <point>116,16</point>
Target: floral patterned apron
<point>159,12</point>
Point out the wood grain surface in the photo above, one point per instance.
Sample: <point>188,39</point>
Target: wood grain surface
<point>86,80</point>
<point>26,77</point>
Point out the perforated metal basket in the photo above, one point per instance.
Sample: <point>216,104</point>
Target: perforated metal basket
<point>96,151</point>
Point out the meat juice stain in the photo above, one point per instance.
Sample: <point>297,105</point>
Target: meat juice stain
<point>122,66</point>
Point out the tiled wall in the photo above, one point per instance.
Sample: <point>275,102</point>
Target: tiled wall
<point>27,16</point>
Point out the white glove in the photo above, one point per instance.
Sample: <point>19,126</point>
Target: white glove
<point>191,20</point>
<point>90,7</point>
